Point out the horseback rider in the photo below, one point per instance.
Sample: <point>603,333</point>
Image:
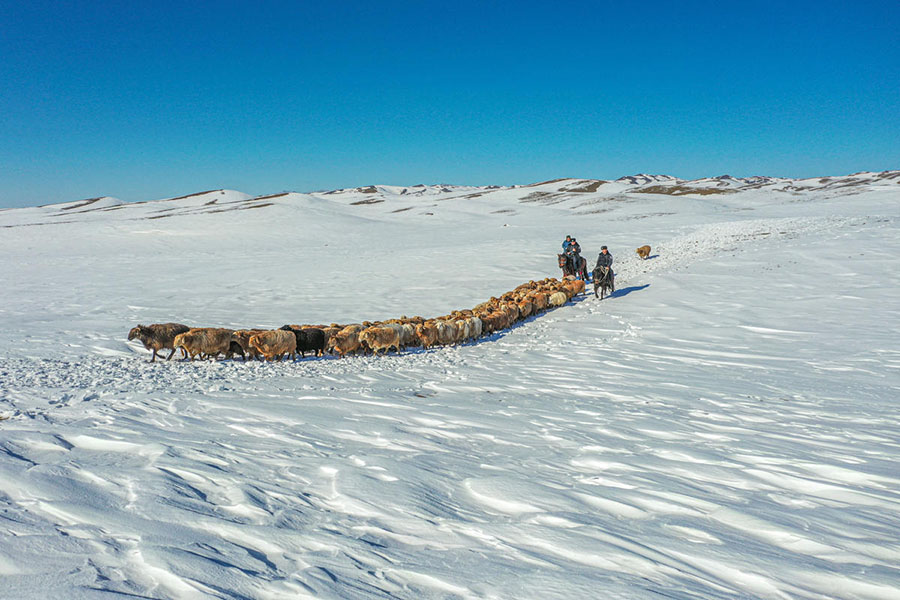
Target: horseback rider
<point>604,263</point>
<point>573,253</point>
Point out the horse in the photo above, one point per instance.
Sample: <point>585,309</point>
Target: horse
<point>567,268</point>
<point>604,280</point>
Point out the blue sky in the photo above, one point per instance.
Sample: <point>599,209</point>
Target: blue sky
<point>145,100</point>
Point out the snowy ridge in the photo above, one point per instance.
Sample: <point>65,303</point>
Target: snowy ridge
<point>436,200</point>
<point>724,426</point>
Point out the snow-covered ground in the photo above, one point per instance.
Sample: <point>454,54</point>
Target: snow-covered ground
<point>725,426</point>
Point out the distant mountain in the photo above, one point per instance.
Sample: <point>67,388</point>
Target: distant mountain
<point>643,179</point>
<point>580,195</point>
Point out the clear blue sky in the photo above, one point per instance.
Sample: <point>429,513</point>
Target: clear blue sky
<point>144,100</point>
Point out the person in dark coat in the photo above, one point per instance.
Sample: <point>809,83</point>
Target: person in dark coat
<point>605,259</point>
<point>574,255</point>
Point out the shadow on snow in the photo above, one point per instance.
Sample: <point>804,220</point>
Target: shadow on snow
<point>625,291</point>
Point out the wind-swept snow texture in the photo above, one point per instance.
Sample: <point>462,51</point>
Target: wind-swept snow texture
<point>724,426</point>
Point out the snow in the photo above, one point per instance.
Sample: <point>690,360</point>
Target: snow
<point>724,426</point>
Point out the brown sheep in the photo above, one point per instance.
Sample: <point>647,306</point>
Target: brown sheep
<point>158,336</point>
<point>408,335</point>
<point>329,333</point>
<point>573,288</point>
<point>380,338</point>
<point>274,343</point>
<point>241,337</point>
<point>208,342</point>
<point>493,321</point>
<point>541,301</point>
<point>406,331</point>
<point>427,333</point>
<point>526,307</point>
<point>643,252</point>
<point>344,342</point>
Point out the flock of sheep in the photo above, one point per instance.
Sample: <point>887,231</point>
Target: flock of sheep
<point>459,326</point>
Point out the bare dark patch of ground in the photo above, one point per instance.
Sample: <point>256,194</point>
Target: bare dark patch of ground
<point>189,196</point>
<point>545,182</point>
<point>367,201</point>
<point>681,190</point>
<point>587,188</point>
<point>82,205</point>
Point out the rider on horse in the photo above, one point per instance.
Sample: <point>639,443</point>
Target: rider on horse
<point>573,254</point>
<point>571,261</point>
<point>604,266</point>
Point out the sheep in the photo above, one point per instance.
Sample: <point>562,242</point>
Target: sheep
<point>274,343</point>
<point>496,314</point>
<point>158,336</point>
<point>541,301</point>
<point>380,338</point>
<point>526,307</point>
<point>494,321</point>
<point>344,342</point>
<point>448,332</point>
<point>474,326</point>
<point>573,288</point>
<point>308,338</point>
<point>462,330</point>
<point>209,341</point>
<point>427,333</point>
<point>329,333</point>
<point>643,252</point>
<point>558,299</point>
<point>241,337</point>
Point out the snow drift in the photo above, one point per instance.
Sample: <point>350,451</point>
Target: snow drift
<point>723,426</point>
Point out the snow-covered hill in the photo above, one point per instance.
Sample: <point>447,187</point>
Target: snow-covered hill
<point>578,195</point>
<point>724,426</point>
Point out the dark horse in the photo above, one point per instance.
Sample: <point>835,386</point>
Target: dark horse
<point>567,268</point>
<point>605,281</point>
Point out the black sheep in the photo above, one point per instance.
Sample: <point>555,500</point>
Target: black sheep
<point>311,339</point>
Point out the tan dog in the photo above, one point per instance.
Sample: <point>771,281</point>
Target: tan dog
<point>643,252</point>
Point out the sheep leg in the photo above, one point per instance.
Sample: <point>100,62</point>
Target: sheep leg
<point>170,354</point>
<point>153,357</point>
